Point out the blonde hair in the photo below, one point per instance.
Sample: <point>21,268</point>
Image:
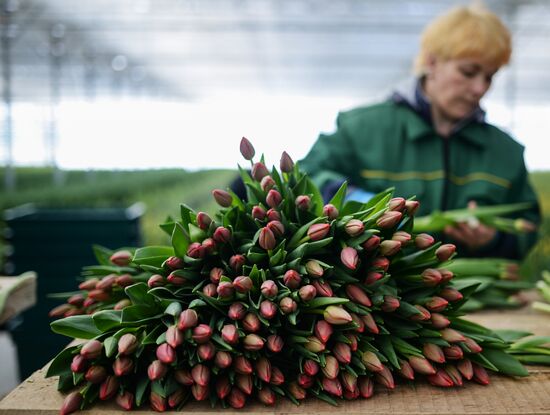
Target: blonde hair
<point>465,32</point>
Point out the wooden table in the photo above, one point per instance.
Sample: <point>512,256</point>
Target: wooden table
<point>16,295</point>
<point>504,395</point>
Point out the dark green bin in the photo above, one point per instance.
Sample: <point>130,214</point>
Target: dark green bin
<point>57,243</point>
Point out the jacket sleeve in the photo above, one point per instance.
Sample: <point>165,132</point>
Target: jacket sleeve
<point>331,160</point>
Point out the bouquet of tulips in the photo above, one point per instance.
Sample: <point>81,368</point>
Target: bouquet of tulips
<point>281,296</point>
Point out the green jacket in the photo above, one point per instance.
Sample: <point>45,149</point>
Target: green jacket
<point>390,145</point>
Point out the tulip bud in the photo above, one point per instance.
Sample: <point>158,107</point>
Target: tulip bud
<point>303,202</point>
<point>91,349</point>
<point>286,163</point>
<point>307,293</point>
<point>76,300</point>
<point>223,359</point>
<point>200,393</point>
<point>158,403</point>
<point>288,305</point>
<point>357,295</point>
<point>314,344</point>
<point>421,365</point>
<point>452,336</point>
<point>304,381</point>
<point>372,243</point>
<point>79,364</point>
<point>236,398</point>
<point>446,275</point>
<point>223,198</point>
<point>336,315</point>
<point>332,386</point>
<point>247,149</point>
<point>385,378</point>
<point>454,374</point>
<point>342,352</point>
<point>389,219</point>
<point>96,374</point>
<point>123,366</point>
<point>354,227</point>
<point>372,277</point>
<point>223,387</point>
<point>155,281</point>
<point>423,241</point>
<point>88,302</point>
<point>268,310</point>
<point>75,312</point>
<point>349,257</point>
<point>451,294</point>
<point>210,290</point>
<point>366,387</point>
<point>318,231</point>
<point>472,345</point>
<point>98,295</point>
<point>175,279</point>
<point>266,396</point>
<point>406,370</point>
<point>360,326</point>
<point>88,285</point>
<point>402,236</point>
<point>121,258</point>
<point>156,370</point>
<point>244,383</point>
<point>381,263</point>
<point>253,342</point>
<point>390,304</point>
<point>273,199</point>
<point>176,398</point>
<point>200,374</point>
<point>236,311</point>
<point>331,368</point>
<point>311,367</point>
<point>242,365</point>
<point>222,235</point>
<point>292,279</point>
<point>251,323</point>
<point>272,215</point>
<point>236,262</point>
<point>445,252</point>
<point>215,275</point>
<point>206,351</point>
<point>275,343</point>
<point>433,352</point>
<point>412,206</point>
<point>188,319</point>
<point>330,211</point>
<point>203,220</point>
<point>296,391</point>
<point>258,213</point>
<point>174,263</point>
<point>372,362</point>
<point>259,171</point>
<point>390,247</point>
<point>370,324</point>
<point>208,246</point>
<point>441,379</point>
<point>127,344</point>
<point>174,337</point>
<point>314,269</point>
<point>397,203</point>
<point>71,403</point>
<point>453,353</point>
<point>125,401</point>
<point>466,368</point>
<point>60,310</point>
<point>423,314</point>
<point>267,183</point>
<point>122,304</point>
<point>349,381</point>
<point>276,227</point>
<point>436,304</point>
<point>202,333</point>
<point>431,277</point>
<point>242,284</point>
<point>195,250</point>
<point>108,388</point>
<point>263,369</point>
<point>269,289</point>
<point>124,280</point>
<point>267,239</point>
<point>184,377</point>
<point>323,330</point>
<point>277,377</point>
<point>439,321</point>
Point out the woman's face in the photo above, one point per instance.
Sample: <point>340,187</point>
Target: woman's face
<point>457,85</point>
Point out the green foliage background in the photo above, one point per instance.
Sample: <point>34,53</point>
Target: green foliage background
<point>163,190</point>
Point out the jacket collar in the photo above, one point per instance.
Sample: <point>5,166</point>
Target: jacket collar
<point>411,96</point>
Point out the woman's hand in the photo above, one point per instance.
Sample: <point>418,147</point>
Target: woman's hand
<point>473,235</point>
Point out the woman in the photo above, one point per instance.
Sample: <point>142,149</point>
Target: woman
<point>432,141</point>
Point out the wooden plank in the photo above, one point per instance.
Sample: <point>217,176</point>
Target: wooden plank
<point>16,295</point>
<point>504,395</point>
